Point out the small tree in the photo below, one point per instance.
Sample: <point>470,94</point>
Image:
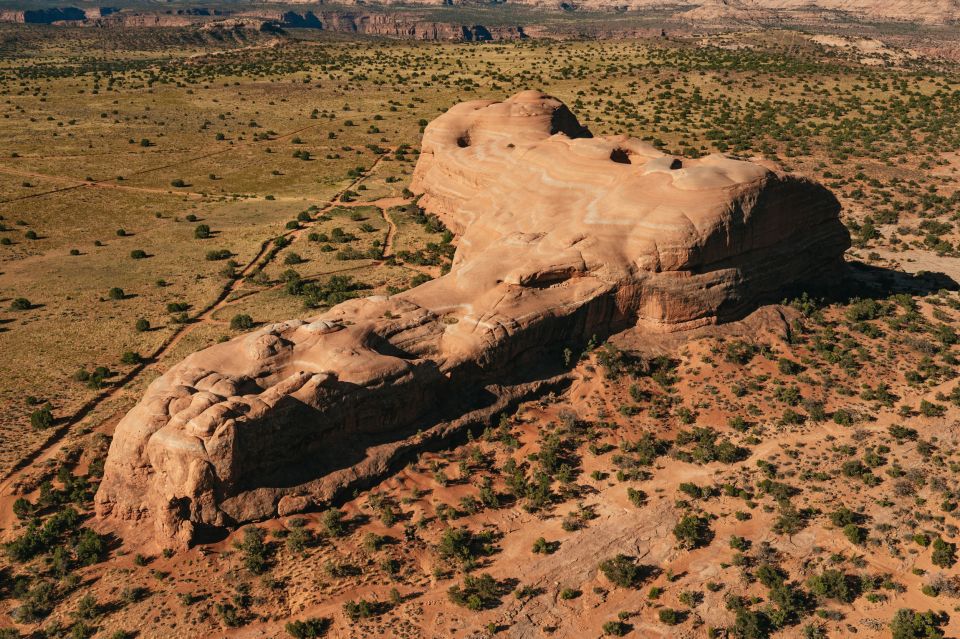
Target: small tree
<point>241,322</point>
<point>91,548</point>
<point>308,629</point>
<point>615,628</point>
<point>255,550</point>
<point>622,571</point>
<point>693,532</point>
<point>944,553</point>
<point>42,418</point>
<point>910,624</point>
<point>332,521</point>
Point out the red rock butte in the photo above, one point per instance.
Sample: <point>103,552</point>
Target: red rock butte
<point>561,236</point>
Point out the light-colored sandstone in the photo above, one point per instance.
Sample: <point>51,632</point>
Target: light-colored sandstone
<point>561,237</point>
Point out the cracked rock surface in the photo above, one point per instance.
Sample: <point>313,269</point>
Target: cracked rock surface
<point>562,236</point>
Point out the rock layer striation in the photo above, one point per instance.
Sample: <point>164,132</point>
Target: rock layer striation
<point>562,237</point>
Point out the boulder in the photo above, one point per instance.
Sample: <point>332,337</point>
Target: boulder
<point>562,237</point>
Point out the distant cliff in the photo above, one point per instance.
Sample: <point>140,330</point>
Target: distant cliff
<point>391,24</point>
<point>395,25</point>
<point>54,15</point>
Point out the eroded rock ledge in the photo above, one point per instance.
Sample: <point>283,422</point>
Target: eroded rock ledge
<point>561,236</point>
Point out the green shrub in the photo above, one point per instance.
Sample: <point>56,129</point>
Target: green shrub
<point>909,624</point>
<point>333,523</point>
<point>241,322</point>
<point>616,628</point>
<point>42,418</point>
<point>944,553</point>
<point>218,254</point>
<point>254,549</point>
<point>91,548</point>
<point>637,497</point>
<point>476,593</point>
<point>834,584</point>
<point>623,571</point>
<point>670,616</point>
<point>308,628</point>
<point>693,532</point>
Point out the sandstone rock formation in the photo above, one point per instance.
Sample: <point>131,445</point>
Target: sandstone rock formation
<point>407,19</point>
<point>561,236</point>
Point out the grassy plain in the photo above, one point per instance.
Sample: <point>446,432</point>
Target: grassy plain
<point>286,139</point>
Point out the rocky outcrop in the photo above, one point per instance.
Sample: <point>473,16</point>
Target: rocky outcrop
<point>561,237</point>
<point>390,25</point>
<point>53,15</point>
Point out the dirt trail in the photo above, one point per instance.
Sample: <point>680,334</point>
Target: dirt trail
<point>48,449</point>
<point>391,225</point>
<point>110,182</point>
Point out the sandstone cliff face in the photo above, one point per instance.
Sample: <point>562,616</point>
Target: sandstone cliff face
<point>44,16</point>
<point>390,25</point>
<point>562,236</point>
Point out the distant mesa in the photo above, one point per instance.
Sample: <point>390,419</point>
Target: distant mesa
<point>55,15</point>
<point>562,237</point>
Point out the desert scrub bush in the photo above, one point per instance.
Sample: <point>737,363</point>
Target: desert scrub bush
<point>855,534</point>
<point>42,418</point>
<point>834,584</point>
<point>477,592</point>
<point>20,304</point>
<point>637,497</point>
<point>308,628</point>
<point>693,532</point>
<point>217,255</point>
<point>543,547</point>
<point>241,322</point>
<point>708,446</point>
<point>332,522</point>
<point>360,609</point>
<point>202,231</point>
<point>739,352</point>
<point>254,550</point>
<point>116,293</point>
<point>142,325</point>
<point>910,624</point>
<point>623,571</point>
<point>944,553</point>
<point>299,538</point>
<point>670,617</point>
<point>464,546</point>
<point>616,628</point>
<point>90,548</point>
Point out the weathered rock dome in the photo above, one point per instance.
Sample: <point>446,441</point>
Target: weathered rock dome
<point>561,236</point>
